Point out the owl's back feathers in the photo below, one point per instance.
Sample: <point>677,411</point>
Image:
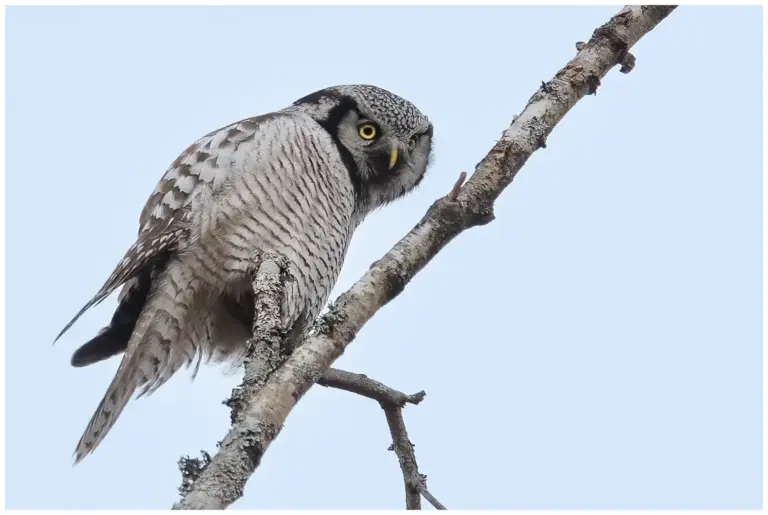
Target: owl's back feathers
<point>263,184</point>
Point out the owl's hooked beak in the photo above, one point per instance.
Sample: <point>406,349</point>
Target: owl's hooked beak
<point>393,158</point>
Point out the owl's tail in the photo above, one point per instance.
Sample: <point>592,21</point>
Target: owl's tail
<point>161,343</point>
<point>113,339</point>
<point>118,394</point>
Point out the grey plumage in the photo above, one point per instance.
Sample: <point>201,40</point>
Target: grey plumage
<point>298,181</point>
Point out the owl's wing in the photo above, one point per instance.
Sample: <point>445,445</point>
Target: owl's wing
<point>203,165</point>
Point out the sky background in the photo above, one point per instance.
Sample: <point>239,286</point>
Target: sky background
<point>597,346</point>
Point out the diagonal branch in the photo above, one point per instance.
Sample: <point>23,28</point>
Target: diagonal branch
<point>415,482</point>
<point>265,412</point>
<point>401,444</point>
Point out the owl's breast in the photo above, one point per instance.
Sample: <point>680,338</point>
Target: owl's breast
<point>295,199</point>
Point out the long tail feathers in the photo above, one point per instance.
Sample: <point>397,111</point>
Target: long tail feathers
<point>154,350</point>
<point>118,394</point>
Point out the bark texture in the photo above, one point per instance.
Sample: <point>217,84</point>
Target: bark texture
<point>210,483</point>
<point>262,414</point>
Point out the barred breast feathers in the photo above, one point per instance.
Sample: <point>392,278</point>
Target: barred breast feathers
<point>294,198</point>
<point>268,183</point>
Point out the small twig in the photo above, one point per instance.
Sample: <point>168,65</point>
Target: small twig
<point>405,455</point>
<point>392,401</point>
<point>431,498</point>
<point>367,387</point>
<point>454,193</point>
<point>415,482</point>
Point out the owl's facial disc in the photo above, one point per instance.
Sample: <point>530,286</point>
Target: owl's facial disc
<point>373,140</point>
<point>376,149</point>
<point>384,140</point>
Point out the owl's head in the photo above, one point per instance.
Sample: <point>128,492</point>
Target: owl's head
<point>384,140</point>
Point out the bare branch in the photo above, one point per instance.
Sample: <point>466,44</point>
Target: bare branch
<point>392,401</point>
<point>405,455</point>
<point>265,353</point>
<point>367,387</point>
<point>431,498</point>
<point>415,482</point>
<point>268,409</point>
<point>215,483</point>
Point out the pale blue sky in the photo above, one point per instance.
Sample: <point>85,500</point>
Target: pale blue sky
<point>597,346</point>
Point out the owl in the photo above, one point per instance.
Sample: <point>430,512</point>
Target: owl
<point>295,182</point>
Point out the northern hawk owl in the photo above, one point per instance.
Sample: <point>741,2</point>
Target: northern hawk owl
<point>295,182</point>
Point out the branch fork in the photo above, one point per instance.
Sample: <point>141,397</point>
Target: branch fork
<point>392,402</point>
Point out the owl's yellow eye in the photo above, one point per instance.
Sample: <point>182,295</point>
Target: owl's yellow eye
<point>367,131</point>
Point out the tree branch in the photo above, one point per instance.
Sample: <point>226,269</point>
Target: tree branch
<point>415,482</point>
<point>463,208</point>
<point>266,348</point>
<point>367,387</point>
<point>392,402</point>
<point>401,444</point>
<point>214,483</point>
